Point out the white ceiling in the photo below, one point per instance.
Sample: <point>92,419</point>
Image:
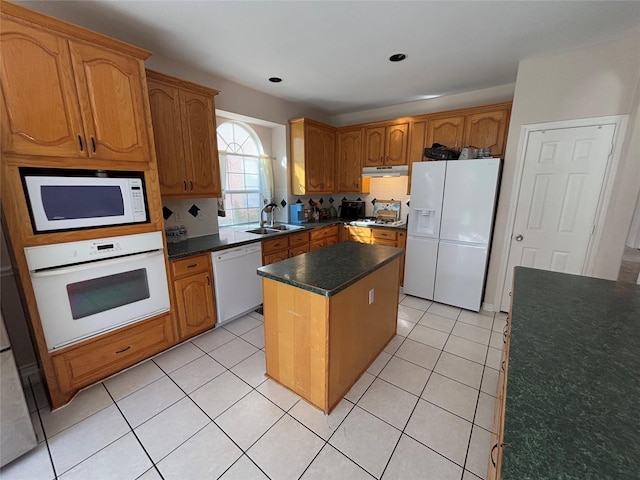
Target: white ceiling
<point>333,55</point>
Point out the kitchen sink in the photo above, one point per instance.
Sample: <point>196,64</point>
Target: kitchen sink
<point>285,227</point>
<point>264,231</point>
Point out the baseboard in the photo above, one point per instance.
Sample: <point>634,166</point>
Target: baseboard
<point>29,370</point>
<point>489,307</point>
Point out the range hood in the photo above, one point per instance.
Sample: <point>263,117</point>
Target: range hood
<point>394,171</point>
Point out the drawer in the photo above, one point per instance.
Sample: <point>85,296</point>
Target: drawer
<point>379,233</point>
<point>296,239</point>
<point>275,244</point>
<point>96,359</point>
<point>325,232</point>
<point>187,266</point>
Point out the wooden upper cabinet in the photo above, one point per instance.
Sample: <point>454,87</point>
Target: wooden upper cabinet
<point>184,124</point>
<point>164,101</point>
<point>396,144</point>
<point>110,90</point>
<point>448,131</point>
<point>349,162</point>
<point>312,156</point>
<point>201,143</point>
<point>487,130</point>
<point>386,144</point>
<point>71,98</point>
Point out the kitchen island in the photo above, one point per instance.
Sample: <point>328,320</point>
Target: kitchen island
<point>573,387</point>
<point>327,315</point>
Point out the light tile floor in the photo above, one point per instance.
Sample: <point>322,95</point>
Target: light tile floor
<point>204,409</point>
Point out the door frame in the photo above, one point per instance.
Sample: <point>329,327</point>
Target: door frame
<point>620,123</point>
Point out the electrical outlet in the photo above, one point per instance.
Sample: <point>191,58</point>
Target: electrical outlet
<point>177,216</point>
<point>201,216</point>
<point>371,296</point>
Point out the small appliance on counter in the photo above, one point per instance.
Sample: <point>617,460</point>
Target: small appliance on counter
<point>352,210</point>
<point>296,213</point>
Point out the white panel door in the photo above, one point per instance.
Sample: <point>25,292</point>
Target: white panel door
<point>469,200</point>
<point>460,274</point>
<point>420,267</point>
<point>561,183</point>
<point>427,186</point>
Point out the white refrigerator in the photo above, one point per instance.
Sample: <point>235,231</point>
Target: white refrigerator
<point>449,231</point>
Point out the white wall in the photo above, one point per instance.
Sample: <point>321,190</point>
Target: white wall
<point>596,81</point>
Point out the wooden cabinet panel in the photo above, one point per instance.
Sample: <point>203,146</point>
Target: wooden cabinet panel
<point>312,157</point>
<point>193,290</point>
<point>299,250</point>
<point>374,150</point>
<point>40,114</point>
<point>275,244</point>
<point>386,144</point>
<point>195,304</point>
<point>359,234</point>
<point>487,130</point>
<point>323,242</point>
<point>448,131</point>
<point>379,234</point>
<point>183,116</point>
<point>200,144</point>
<point>166,114</point>
<point>110,90</point>
<point>349,162</point>
<point>98,358</point>
<point>396,144</point>
<point>275,257</point>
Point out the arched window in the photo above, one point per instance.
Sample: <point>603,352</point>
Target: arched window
<point>246,174</point>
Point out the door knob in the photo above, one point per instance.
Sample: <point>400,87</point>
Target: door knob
<point>519,238</point>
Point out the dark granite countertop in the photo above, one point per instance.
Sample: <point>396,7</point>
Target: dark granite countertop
<point>331,269</point>
<point>573,387</point>
<point>229,237</point>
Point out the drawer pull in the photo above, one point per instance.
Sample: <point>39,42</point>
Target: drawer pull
<point>93,144</point>
<point>80,141</point>
<point>122,350</point>
<point>193,265</point>
<point>208,280</point>
<point>493,450</point>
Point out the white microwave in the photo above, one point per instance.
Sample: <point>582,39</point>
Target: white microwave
<point>61,199</point>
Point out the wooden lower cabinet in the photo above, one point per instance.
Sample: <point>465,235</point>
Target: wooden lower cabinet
<point>284,246</point>
<point>193,289</point>
<point>324,236</point>
<point>88,362</point>
<point>380,236</point>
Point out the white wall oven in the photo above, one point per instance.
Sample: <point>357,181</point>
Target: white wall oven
<point>66,199</point>
<point>89,287</point>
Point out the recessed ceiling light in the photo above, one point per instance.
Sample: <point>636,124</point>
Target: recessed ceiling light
<point>275,79</point>
<point>397,57</point>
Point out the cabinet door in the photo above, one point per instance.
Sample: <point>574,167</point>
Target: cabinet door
<point>487,130</point>
<point>416,146</point>
<point>314,159</point>
<point>110,91</point>
<point>328,160</point>
<point>195,304</point>
<point>359,234</point>
<point>164,101</point>
<point>446,131</point>
<point>396,144</point>
<point>201,144</point>
<point>349,161</point>
<point>374,146</point>
<point>275,257</point>
<point>40,113</point>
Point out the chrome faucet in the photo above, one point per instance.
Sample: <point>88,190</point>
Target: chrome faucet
<point>269,209</point>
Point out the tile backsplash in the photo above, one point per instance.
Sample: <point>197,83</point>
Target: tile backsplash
<point>205,221</point>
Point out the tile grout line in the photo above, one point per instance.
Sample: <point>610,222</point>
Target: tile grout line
<point>46,439</point>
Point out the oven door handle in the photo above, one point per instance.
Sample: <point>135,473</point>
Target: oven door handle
<point>90,265</point>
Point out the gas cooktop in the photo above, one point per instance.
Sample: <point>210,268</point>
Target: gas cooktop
<point>382,222</point>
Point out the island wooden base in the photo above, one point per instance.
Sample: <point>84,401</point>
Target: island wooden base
<point>319,346</point>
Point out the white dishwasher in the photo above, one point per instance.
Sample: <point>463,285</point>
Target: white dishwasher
<point>237,284</point>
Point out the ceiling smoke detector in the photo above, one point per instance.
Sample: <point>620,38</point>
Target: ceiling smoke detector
<point>397,57</point>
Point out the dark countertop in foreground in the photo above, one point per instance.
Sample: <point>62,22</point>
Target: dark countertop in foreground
<point>331,269</point>
<point>573,386</point>
<point>236,236</point>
